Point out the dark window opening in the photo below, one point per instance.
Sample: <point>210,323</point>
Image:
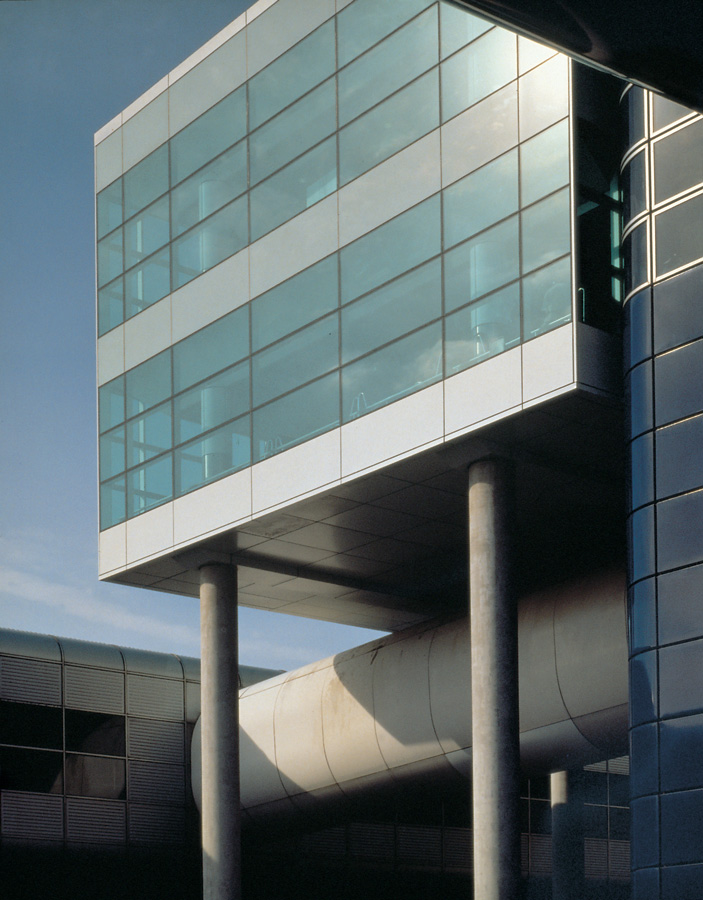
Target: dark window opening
<point>31,770</point>
<point>30,725</point>
<point>92,732</point>
<point>95,776</point>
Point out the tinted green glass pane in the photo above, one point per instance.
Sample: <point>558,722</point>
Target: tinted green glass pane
<point>678,161</point>
<point>386,314</point>
<point>458,27</point>
<point>111,403</point>
<point>110,257</point>
<point>149,383</point>
<point>482,264</point>
<point>211,349</point>
<point>294,360</point>
<point>149,485</point>
<point>294,303</point>
<point>217,454</point>
<point>399,369</point>
<point>546,231</point>
<point>482,329</point>
<point>363,23</point>
<point>146,181</point>
<point>544,163</point>
<point>113,502</point>
<point>209,189</point>
<point>149,435</point>
<point>297,417</point>
<point>478,70</point>
<point>291,75</point>
<point>395,247</point>
<point>112,453</point>
<point>110,306</point>
<point>206,245</point>
<point>481,199</point>
<point>292,132</point>
<point>383,70</point>
<point>208,136</point>
<point>546,298</point>
<point>109,208</point>
<point>678,236</point>
<point>294,188</point>
<point>392,125</point>
<point>147,282</point>
<point>212,403</point>
<point>146,232</point>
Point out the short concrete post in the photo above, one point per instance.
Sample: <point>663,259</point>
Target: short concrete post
<point>494,685</point>
<point>567,836</point>
<point>221,815</point>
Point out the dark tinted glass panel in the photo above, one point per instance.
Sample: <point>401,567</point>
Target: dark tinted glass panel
<point>595,821</point>
<point>682,760</point>
<point>635,186</point>
<point>211,349</point>
<point>681,840</point>
<point>149,486</point>
<point>634,249</point>
<point>540,817</point>
<point>678,162</point>
<point>644,760</point>
<point>679,532</point>
<point>678,309</point>
<point>678,376</point>
<point>679,235</point>
<point>680,610</point>
<point>681,678</point>
<point>595,787</point>
<point>636,110</point>
<point>642,543</point>
<point>30,725</point>
<point>146,181</point>
<point>618,790</point>
<point>643,615</point>
<point>482,329</point>
<point>637,329</point>
<point>642,471</point>
<point>619,824</point>
<point>93,732</point>
<point>643,688</point>
<point>111,401</point>
<point>31,770</point>
<point>679,460</point>
<point>638,399</point>
<point>208,136</point>
<point>110,306</point>
<point>218,453</point>
<point>482,264</point>
<point>95,776</point>
<point>666,112</point>
<point>149,383</point>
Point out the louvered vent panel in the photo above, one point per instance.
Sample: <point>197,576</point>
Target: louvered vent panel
<point>331,843</point>
<point>540,854</point>
<point>372,841</point>
<point>154,698</point>
<point>95,821</point>
<point>619,860</point>
<point>37,817</point>
<point>155,783</point>
<point>458,848</point>
<point>94,689</point>
<point>156,824</point>
<point>30,681</point>
<point>525,855</point>
<point>156,740</point>
<point>619,766</point>
<point>596,858</point>
<point>419,846</point>
<point>596,767</point>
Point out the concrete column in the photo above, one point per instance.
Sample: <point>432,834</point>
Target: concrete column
<point>567,836</point>
<point>221,812</point>
<point>494,685</point>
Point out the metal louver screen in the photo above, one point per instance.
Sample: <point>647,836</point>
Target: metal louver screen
<point>94,689</point>
<point>95,821</point>
<point>163,741</point>
<point>540,854</point>
<point>156,825</point>
<point>596,858</point>
<point>373,841</point>
<point>36,817</point>
<point>154,783</point>
<point>30,681</point>
<point>155,698</point>
<point>419,846</point>
<point>458,848</point>
<point>619,860</point>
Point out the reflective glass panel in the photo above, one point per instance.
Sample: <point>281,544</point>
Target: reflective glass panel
<point>95,776</point>
<point>482,264</point>
<point>112,453</point>
<point>404,242</point>
<point>482,329</point>
<point>642,471</point>
<point>294,303</point>
<point>300,127</point>
<point>297,417</point>
<point>678,161</point>
<point>636,114</point>
<point>544,163</point>
<point>679,464</point>
<point>457,27</point>
<point>478,70</point>
<point>678,235</point>
<point>544,96</point>
<point>209,243</point>
<point>392,372</point>
<point>94,732</point>
<point>212,403</point>
<point>481,199</point>
<point>147,282</point>
<point>219,453</point>
<point>31,725</point>
<point>363,23</point>
<point>294,360</point>
<point>110,306</point>
<point>211,349</point>
<point>678,376</point>
<point>111,403</point>
<point>392,125</point>
<point>146,181</point>
<point>546,231</point>
<point>291,75</point>
<point>294,188</point>
<point>149,383</point>
<point>546,298</point>
<point>110,257</point>
<point>634,186</point>
<point>393,310</point>
<point>208,136</point>
<point>634,249</point>
<point>146,232</point>
<point>109,208</point>
<point>112,502</point>
<point>390,65</point>
<point>664,111</point>
<point>149,435</point>
<point>209,189</point>
<point>149,485</point>
<point>638,398</point>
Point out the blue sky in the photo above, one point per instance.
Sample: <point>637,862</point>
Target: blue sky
<point>66,68</point>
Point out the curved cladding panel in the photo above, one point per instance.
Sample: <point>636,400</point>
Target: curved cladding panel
<point>257,747</point>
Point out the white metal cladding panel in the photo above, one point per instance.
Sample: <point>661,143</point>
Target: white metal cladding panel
<point>155,698</point>
<point>156,740</point>
<point>419,846</point>
<point>154,783</point>
<point>156,824</point>
<point>540,854</point>
<point>619,860</point>
<point>30,680</point>
<point>95,821</point>
<point>38,817</point>
<point>374,841</point>
<point>94,689</point>
<point>458,848</point>
<point>596,857</point>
